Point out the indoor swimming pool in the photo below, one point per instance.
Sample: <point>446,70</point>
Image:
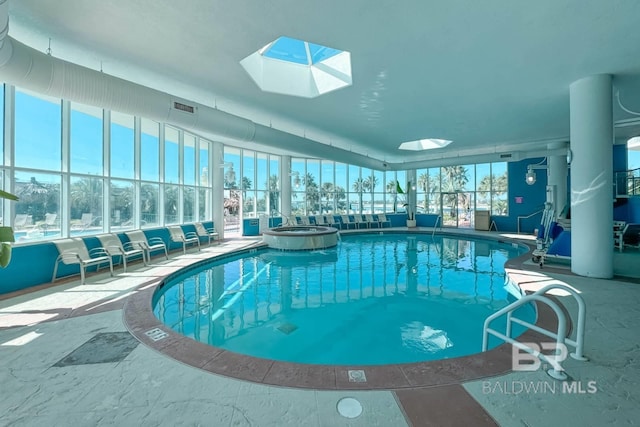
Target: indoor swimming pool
<point>374,299</point>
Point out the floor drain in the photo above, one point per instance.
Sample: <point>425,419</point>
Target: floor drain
<point>349,407</point>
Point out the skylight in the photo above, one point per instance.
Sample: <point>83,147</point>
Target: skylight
<point>424,144</point>
<point>299,68</point>
<point>634,143</point>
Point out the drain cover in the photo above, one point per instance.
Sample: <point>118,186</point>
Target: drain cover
<point>287,328</point>
<point>349,407</point>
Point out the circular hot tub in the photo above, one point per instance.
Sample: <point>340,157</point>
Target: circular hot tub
<point>300,238</point>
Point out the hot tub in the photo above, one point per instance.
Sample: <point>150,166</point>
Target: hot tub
<point>300,238</point>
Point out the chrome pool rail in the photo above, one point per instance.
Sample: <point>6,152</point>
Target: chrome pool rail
<point>560,335</point>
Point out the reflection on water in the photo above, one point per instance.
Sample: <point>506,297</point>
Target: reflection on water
<point>373,299</point>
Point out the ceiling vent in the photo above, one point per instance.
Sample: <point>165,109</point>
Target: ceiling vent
<point>505,156</point>
<point>183,107</point>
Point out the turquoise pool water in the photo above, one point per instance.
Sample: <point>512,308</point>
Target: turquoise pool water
<point>374,299</point>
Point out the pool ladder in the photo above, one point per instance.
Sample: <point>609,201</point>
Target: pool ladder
<point>560,335</point>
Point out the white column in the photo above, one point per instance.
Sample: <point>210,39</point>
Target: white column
<point>592,176</point>
<point>216,174</point>
<point>285,187</point>
<point>557,176</point>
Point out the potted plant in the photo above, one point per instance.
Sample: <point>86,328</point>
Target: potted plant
<point>6,235</point>
<point>411,219</point>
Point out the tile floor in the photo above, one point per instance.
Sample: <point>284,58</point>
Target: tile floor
<point>149,386</point>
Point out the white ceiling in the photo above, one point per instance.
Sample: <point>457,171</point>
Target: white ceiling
<point>493,76</point>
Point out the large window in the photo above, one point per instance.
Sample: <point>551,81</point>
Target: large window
<point>38,147</point>
<point>86,140</point>
<point>122,145</point>
<point>144,181</point>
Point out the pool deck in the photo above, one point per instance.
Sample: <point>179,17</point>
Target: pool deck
<point>67,358</point>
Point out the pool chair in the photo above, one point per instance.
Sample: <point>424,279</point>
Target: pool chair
<point>207,233</point>
<point>177,234</point>
<point>359,221</point>
<point>371,221</point>
<point>331,221</point>
<point>345,222</point>
<point>148,245</point>
<point>320,220</point>
<point>630,236</point>
<point>74,251</point>
<point>382,219</point>
<point>114,246</point>
<point>302,220</point>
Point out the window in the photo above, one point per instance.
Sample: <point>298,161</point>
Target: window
<point>85,199</point>
<point>150,150</point>
<point>189,163</point>
<point>171,155</point>
<point>86,140</point>
<point>122,201</point>
<point>38,210</point>
<point>122,141</point>
<point>38,147</point>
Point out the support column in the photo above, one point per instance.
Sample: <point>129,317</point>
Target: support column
<point>557,176</point>
<point>285,187</point>
<point>216,173</point>
<point>591,120</point>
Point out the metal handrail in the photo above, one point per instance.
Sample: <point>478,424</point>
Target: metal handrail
<point>527,216</point>
<point>438,220</point>
<point>559,336</point>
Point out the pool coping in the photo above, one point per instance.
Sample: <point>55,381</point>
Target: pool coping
<point>139,319</point>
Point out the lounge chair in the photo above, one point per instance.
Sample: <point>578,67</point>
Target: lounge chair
<point>22,221</point>
<point>114,246</point>
<point>302,220</point>
<point>137,237</point>
<point>360,221</point>
<point>346,220</point>
<point>177,234</point>
<point>630,236</point>
<point>209,233</point>
<point>331,221</point>
<point>74,251</point>
<point>371,221</point>
<point>382,219</point>
<point>320,220</point>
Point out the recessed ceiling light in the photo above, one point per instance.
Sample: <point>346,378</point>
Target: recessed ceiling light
<point>424,144</point>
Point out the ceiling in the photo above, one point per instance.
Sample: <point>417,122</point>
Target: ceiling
<point>492,79</point>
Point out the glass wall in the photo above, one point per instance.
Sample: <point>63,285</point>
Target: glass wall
<point>105,176</point>
<point>124,172</point>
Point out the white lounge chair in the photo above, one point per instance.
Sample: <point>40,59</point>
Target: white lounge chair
<point>114,246</point>
<point>371,221</point>
<point>177,234</point>
<point>360,221</point>
<point>331,221</point>
<point>382,219</point>
<point>209,233</point>
<point>346,221</point>
<point>148,244</point>
<point>74,251</point>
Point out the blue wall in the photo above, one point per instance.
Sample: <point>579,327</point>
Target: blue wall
<point>33,264</point>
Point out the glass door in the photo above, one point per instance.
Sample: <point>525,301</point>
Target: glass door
<point>457,209</point>
<point>449,209</point>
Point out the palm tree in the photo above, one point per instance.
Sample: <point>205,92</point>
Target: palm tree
<point>370,184</point>
<point>327,192</point>
<point>392,188</point>
<point>312,193</point>
<point>454,178</point>
<point>274,192</point>
<point>358,187</point>
<point>423,183</point>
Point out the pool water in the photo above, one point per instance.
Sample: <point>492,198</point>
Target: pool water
<point>374,299</point>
